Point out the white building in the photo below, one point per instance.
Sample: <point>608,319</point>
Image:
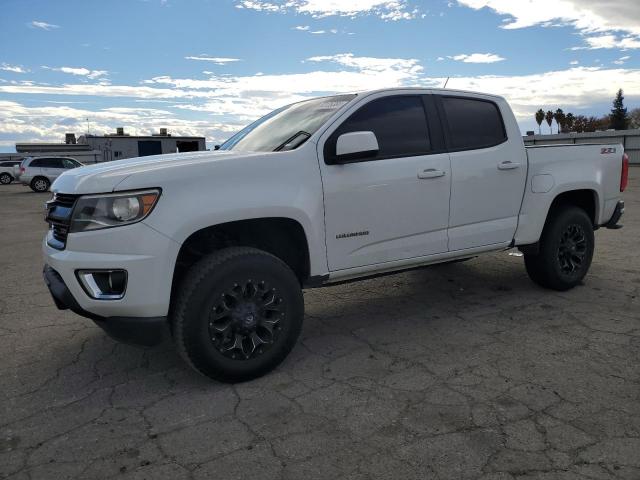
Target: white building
<point>117,146</point>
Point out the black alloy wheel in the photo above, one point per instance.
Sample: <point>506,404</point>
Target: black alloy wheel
<point>572,249</point>
<point>245,321</point>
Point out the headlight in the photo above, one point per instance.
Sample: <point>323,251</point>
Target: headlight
<point>93,212</point>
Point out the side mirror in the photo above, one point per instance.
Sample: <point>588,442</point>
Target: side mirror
<point>216,147</point>
<point>355,146</point>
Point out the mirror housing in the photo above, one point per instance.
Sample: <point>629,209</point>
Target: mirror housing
<point>355,146</point>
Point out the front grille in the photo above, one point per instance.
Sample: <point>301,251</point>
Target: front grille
<point>64,199</point>
<point>59,210</point>
<point>60,233</point>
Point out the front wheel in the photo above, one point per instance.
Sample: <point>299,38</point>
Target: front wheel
<point>5,178</point>
<point>238,314</point>
<point>566,250</point>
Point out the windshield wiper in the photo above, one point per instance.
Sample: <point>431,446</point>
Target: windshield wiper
<point>293,142</point>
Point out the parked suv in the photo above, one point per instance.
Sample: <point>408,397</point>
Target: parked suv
<point>40,172</point>
<point>7,172</point>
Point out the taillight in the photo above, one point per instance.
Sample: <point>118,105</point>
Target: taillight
<point>624,176</point>
<point>21,169</point>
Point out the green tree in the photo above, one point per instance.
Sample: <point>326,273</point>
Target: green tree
<point>569,121</point>
<point>539,120</point>
<point>559,118</point>
<point>549,118</point>
<point>619,120</point>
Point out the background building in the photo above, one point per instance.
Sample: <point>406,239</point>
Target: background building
<point>104,148</point>
<point>120,145</point>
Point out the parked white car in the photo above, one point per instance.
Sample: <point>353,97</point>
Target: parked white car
<point>40,172</point>
<point>7,173</point>
<point>217,246</point>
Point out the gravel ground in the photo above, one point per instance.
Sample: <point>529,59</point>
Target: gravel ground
<point>459,371</point>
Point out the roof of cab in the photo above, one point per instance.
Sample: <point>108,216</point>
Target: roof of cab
<point>431,90</point>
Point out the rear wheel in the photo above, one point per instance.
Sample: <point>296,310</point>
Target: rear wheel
<point>566,250</point>
<point>5,178</point>
<point>40,184</point>
<point>237,314</point>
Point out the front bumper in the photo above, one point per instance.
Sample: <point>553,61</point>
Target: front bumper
<point>149,260</point>
<point>146,331</point>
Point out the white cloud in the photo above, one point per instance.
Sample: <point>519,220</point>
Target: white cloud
<point>242,98</point>
<point>302,28</point>
<point>609,41</point>
<point>12,68</point>
<point>385,9</point>
<point>219,104</point>
<point>585,15</point>
<point>578,87</point>
<point>79,71</point>
<point>215,60</point>
<point>408,67</point>
<point>43,25</point>
<point>622,60</point>
<point>50,123</point>
<point>574,62</point>
<point>478,58</point>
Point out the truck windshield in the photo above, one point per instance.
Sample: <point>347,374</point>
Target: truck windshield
<point>288,127</point>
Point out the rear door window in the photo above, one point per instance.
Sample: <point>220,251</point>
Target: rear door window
<point>473,123</point>
<point>53,163</point>
<point>38,162</point>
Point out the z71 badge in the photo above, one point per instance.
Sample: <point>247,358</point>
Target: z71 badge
<point>606,151</point>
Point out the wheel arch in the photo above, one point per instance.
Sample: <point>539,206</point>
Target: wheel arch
<point>584,198</point>
<point>283,237</point>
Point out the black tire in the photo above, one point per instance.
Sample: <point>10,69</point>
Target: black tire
<point>5,178</point>
<point>40,184</point>
<point>237,292</point>
<point>566,250</point>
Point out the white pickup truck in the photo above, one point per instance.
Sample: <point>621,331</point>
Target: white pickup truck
<point>214,248</point>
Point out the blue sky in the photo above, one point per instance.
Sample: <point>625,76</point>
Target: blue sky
<point>208,67</point>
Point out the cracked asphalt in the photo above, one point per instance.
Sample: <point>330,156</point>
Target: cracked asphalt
<point>461,371</point>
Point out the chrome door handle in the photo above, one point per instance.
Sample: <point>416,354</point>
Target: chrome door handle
<point>431,173</point>
<point>508,165</point>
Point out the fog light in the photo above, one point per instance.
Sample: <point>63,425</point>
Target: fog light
<point>103,284</point>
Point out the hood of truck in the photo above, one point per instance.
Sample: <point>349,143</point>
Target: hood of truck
<point>106,176</point>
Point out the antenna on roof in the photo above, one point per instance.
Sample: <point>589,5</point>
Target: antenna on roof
<point>87,125</point>
<point>445,82</point>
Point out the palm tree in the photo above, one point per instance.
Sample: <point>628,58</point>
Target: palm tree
<point>559,118</point>
<point>549,118</point>
<point>569,121</point>
<point>539,120</point>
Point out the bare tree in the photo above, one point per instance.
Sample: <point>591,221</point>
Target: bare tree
<point>634,118</point>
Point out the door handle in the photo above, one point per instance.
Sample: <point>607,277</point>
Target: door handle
<point>431,173</point>
<point>508,165</point>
